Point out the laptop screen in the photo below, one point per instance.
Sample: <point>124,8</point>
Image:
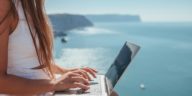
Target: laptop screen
<point>121,62</point>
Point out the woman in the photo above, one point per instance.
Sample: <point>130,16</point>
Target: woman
<point>26,61</point>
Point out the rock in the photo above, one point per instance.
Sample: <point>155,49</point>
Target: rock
<point>66,22</point>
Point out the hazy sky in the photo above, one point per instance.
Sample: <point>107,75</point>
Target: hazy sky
<point>149,10</point>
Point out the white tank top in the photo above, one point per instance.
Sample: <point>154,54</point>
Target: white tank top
<point>21,51</point>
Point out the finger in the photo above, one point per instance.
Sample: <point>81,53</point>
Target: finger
<point>79,85</point>
<point>71,74</point>
<point>82,72</point>
<point>94,70</point>
<point>87,75</point>
<point>67,75</point>
<point>89,78</point>
<point>90,72</point>
<point>80,79</point>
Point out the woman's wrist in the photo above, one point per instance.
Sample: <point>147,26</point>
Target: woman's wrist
<point>53,83</point>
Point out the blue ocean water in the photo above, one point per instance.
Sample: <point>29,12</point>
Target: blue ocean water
<point>163,65</point>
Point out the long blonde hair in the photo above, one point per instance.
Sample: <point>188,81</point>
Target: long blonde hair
<point>40,28</point>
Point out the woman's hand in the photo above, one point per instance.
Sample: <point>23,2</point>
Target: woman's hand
<point>85,72</point>
<point>70,80</point>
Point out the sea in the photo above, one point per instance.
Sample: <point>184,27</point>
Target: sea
<point>162,67</point>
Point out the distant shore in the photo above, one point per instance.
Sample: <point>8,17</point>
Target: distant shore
<point>62,23</point>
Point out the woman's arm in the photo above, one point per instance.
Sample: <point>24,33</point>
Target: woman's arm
<point>9,83</point>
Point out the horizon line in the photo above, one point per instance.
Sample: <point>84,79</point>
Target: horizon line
<point>143,20</point>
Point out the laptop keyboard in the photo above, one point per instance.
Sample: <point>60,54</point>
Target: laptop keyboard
<point>95,88</point>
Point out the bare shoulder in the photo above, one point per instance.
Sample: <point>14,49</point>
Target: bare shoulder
<point>5,6</point>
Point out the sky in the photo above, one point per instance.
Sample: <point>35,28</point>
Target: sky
<point>148,10</point>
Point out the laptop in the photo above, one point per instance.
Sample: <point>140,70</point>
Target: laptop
<point>103,85</point>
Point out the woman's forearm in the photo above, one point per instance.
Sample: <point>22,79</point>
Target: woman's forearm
<point>11,84</point>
